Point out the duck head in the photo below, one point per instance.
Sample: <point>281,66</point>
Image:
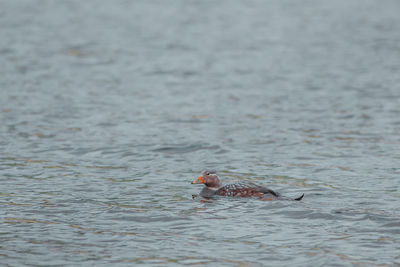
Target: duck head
<point>209,179</point>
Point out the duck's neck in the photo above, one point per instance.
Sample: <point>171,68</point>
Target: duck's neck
<point>208,191</point>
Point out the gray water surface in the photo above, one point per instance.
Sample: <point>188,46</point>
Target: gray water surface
<point>109,109</point>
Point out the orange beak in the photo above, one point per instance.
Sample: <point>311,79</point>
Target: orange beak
<point>199,180</point>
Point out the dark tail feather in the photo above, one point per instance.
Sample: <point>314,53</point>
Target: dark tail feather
<point>300,197</point>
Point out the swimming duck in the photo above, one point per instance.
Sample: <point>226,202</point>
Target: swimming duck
<point>213,187</point>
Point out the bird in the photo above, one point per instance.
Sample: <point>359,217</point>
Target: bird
<point>213,187</point>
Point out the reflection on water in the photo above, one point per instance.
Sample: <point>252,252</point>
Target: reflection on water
<point>109,110</point>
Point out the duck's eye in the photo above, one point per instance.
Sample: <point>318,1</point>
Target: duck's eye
<point>208,173</point>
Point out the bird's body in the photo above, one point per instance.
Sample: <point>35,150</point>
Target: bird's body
<point>213,187</point>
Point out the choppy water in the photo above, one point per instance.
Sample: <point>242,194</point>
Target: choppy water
<point>109,109</point>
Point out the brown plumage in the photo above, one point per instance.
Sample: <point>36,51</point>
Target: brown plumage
<point>213,187</point>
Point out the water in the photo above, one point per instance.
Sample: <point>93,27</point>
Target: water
<point>109,109</point>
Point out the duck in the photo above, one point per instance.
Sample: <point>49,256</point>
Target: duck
<point>213,187</point>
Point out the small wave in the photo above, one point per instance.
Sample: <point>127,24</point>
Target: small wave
<point>181,149</point>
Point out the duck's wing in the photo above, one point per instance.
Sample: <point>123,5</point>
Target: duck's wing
<point>245,189</point>
<point>266,190</point>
